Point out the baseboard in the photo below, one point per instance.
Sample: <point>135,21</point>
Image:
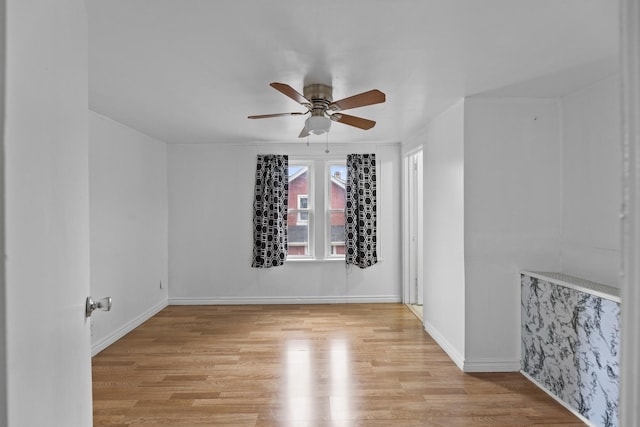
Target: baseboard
<point>560,401</point>
<point>126,328</point>
<point>465,365</point>
<point>451,351</point>
<point>491,365</point>
<point>286,300</point>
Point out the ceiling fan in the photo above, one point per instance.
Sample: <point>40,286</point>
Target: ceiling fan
<point>318,100</point>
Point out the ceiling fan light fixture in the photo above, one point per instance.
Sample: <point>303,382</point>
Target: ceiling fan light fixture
<point>317,125</point>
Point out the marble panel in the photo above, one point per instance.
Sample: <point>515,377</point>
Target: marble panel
<point>570,345</point>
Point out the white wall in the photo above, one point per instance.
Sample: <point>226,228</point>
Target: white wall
<point>210,216</point>
<point>512,218</point>
<point>540,192</point>
<point>443,216</point>
<point>592,171</point>
<point>47,214</point>
<point>129,227</point>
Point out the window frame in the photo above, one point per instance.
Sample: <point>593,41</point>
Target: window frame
<point>300,210</point>
<point>319,223</point>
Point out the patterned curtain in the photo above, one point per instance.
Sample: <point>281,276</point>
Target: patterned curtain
<point>360,211</point>
<point>270,205</point>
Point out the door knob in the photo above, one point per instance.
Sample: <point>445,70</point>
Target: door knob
<point>104,304</point>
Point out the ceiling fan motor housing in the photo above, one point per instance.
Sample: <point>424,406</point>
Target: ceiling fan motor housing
<point>318,91</point>
<point>320,96</point>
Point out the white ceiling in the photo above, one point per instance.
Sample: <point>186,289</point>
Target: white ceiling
<point>191,71</point>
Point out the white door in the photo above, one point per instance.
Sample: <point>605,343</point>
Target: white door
<point>46,215</point>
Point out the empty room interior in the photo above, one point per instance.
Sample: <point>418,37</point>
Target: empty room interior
<point>295,213</point>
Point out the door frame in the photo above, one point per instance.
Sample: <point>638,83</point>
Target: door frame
<point>408,223</point>
<point>3,327</point>
<point>630,313</point>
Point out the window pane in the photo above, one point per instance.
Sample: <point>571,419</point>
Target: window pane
<point>337,232</point>
<point>298,239</point>
<point>298,221</point>
<point>337,188</point>
<point>303,203</point>
<point>298,186</point>
<point>336,203</point>
<point>337,220</point>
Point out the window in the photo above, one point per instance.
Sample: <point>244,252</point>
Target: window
<point>300,215</point>
<point>317,193</point>
<point>336,185</point>
<point>303,203</point>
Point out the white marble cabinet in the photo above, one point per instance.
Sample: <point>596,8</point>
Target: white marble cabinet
<point>571,341</point>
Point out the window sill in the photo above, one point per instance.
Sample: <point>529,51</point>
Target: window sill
<point>318,260</point>
<point>312,260</point>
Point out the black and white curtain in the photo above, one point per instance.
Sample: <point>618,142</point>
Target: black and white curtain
<point>360,211</point>
<point>270,205</point>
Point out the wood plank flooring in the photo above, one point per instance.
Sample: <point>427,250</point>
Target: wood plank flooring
<point>340,365</point>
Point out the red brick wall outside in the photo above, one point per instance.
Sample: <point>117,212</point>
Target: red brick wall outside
<point>338,197</point>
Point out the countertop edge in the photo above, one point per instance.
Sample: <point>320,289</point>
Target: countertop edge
<point>582,285</point>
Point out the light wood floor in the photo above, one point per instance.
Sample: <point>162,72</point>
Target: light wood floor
<point>310,365</point>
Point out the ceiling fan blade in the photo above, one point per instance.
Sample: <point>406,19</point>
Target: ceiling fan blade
<point>371,97</point>
<point>267,116</point>
<point>358,122</point>
<point>304,132</point>
<point>290,92</point>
